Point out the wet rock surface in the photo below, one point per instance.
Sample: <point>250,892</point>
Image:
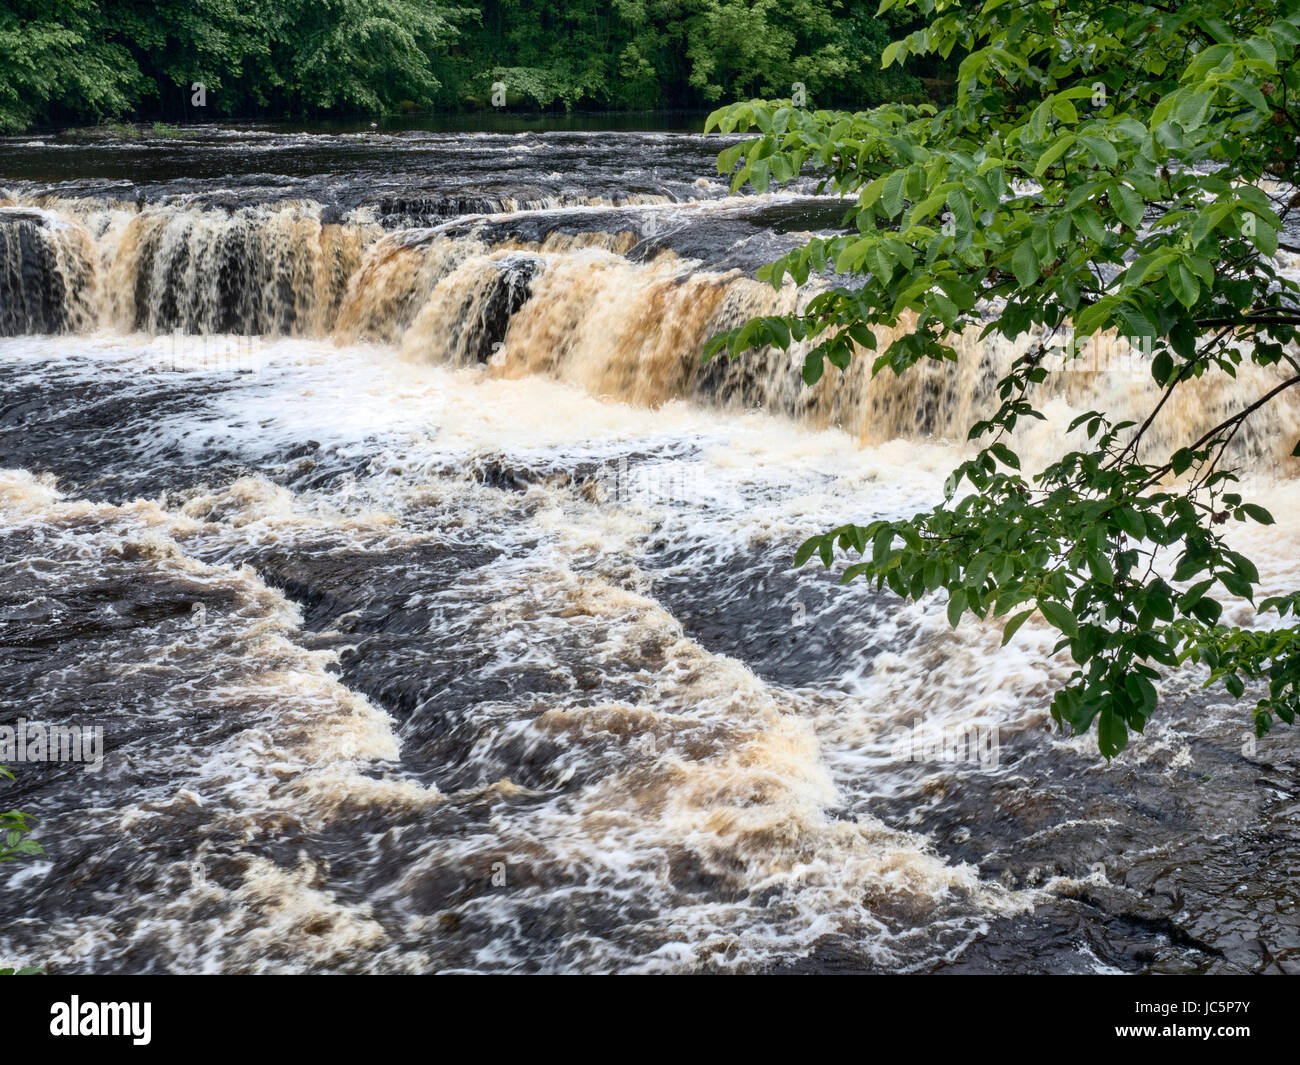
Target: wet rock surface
<point>394,684</point>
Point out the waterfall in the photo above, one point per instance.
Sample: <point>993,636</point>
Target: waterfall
<point>584,307</point>
<point>435,599</point>
<point>47,279</point>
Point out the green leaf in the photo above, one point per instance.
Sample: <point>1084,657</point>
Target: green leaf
<point>1191,108</point>
<point>1162,368</point>
<point>1013,626</point>
<point>1005,455</point>
<point>891,198</point>
<point>1024,263</point>
<point>1112,733</point>
<point>1131,522</point>
<point>1058,149</point>
<point>1060,616</point>
<point>1128,205</point>
<point>1186,288</point>
<point>813,367</point>
<point>1101,568</point>
<point>805,550</point>
<point>1101,150</point>
<point>956,606</point>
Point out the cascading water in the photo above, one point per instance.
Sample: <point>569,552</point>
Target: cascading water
<point>46,273</point>
<point>571,303</point>
<point>435,604</point>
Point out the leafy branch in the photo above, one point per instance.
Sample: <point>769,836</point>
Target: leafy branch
<point>1098,173</point>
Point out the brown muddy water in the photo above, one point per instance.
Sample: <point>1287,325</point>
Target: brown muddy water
<point>435,603</point>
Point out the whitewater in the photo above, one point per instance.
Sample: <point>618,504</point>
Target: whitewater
<point>435,600</point>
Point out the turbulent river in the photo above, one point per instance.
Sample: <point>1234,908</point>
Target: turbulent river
<point>435,602</point>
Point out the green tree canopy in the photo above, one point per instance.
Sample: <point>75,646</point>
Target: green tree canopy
<point>55,55</point>
<point>79,59</point>
<point>681,53</point>
<point>1106,165</point>
<point>73,60</point>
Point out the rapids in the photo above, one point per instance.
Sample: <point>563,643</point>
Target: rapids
<point>435,601</point>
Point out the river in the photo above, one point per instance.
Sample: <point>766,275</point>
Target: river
<point>366,489</point>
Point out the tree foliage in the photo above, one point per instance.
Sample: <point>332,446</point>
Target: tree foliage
<point>14,830</point>
<point>1106,166</point>
<point>77,60</point>
<point>15,843</point>
<point>80,59</point>
<point>53,55</point>
<point>680,53</point>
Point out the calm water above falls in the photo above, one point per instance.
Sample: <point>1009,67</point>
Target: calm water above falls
<point>435,601</point>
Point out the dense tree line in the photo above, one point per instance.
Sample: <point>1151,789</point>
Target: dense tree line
<point>67,61</point>
<point>678,53</point>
